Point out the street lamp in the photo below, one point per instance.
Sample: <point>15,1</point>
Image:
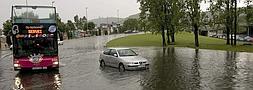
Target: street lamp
<point>118,15</point>
<point>26,3</point>
<point>53,3</point>
<point>0,39</point>
<point>118,21</point>
<point>86,18</point>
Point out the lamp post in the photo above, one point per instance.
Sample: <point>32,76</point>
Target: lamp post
<point>53,3</point>
<point>26,3</point>
<point>0,39</point>
<point>87,19</point>
<point>118,15</point>
<point>117,24</point>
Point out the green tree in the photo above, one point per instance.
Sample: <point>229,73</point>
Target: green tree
<point>227,10</point>
<point>7,26</point>
<point>174,14</point>
<point>70,27</point>
<point>161,15</point>
<point>91,25</point>
<point>249,13</point>
<point>60,24</point>
<point>130,24</point>
<point>193,10</point>
<point>80,23</point>
<point>154,12</point>
<point>217,16</point>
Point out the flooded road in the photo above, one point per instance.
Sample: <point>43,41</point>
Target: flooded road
<point>170,69</point>
<point>189,69</point>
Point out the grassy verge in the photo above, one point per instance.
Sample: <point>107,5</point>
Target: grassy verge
<point>183,39</point>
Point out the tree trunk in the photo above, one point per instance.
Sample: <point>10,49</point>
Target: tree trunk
<point>173,34</point>
<point>166,23</point>
<point>196,35</point>
<point>0,43</point>
<point>168,36</point>
<point>163,36</point>
<point>232,38</point>
<point>235,22</point>
<point>228,31</point>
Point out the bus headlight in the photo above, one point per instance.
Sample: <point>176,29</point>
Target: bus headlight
<point>55,63</point>
<point>16,65</point>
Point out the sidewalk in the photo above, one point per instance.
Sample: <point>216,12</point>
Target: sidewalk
<point>2,48</point>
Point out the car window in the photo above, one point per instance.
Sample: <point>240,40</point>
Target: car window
<point>126,52</point>
<point>106,52</point>
<point>113,51</point>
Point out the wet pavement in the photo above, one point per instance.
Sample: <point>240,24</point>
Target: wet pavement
<point>170,69</point>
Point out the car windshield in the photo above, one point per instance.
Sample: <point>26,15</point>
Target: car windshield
<point>126,52</point>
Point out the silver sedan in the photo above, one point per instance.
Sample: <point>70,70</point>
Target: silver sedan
<point>123,59</point>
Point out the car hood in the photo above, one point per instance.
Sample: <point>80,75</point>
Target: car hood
<point>133,59</point>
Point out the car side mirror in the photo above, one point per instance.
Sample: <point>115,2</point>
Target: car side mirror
<point>115,55</point>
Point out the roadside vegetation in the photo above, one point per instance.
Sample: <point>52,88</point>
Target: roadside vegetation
<point>184,39</point>
<point>224,17</point>
<point>79,23</point>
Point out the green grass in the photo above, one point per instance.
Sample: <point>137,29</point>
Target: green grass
<point>183,39</point>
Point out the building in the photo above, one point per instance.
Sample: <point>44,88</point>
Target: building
<point>107,29</point>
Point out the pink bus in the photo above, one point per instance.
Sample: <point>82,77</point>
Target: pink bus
<point>34,38</point>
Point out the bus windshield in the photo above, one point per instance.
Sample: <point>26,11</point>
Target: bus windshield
<point>26,47</point>
<point>33,14</point>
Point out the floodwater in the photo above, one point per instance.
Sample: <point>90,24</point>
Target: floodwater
<point>170,69</point>
<point>189,69</point>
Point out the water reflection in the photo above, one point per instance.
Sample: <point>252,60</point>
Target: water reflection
<point>42,80</point>
<point>113,74</point>
<point>226,80</point>
<point>195,73</point>
<point>194,69</point>
<point>127,80</point>
<point>170,73</point>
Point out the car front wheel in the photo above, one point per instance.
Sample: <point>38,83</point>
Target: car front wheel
<point>121,68</point>
<point>102,64</point>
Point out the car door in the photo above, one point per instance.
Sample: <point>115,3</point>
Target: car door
<point>106,56</point>
<point>113,59</point>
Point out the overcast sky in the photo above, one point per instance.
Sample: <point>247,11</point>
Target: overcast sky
<point>69,8</point>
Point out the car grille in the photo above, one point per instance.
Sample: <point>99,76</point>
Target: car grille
<point>142,62</point>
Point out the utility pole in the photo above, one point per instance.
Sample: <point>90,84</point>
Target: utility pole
<point>26,3</point>
<point>87,19</point>
<point>118,24</point>
<point>108,29</point>
<point>0,39</point>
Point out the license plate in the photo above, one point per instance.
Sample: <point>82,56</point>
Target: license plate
<point>143,65</point>
<point>36,68</point>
